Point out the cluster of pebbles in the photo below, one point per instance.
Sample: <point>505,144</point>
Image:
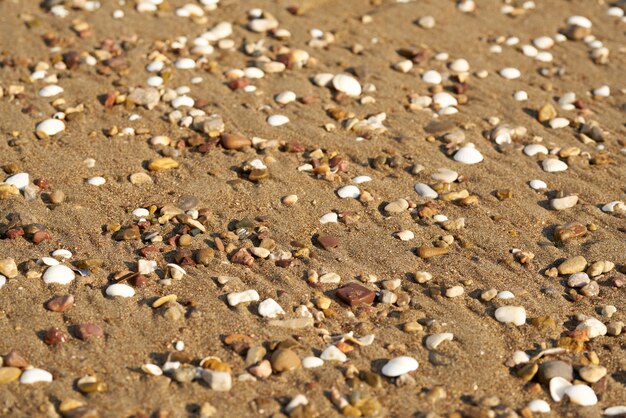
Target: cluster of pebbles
<point>287,310</point>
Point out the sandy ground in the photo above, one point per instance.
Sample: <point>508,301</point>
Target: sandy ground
<point>135,333</point>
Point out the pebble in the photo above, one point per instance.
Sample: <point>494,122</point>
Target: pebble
<point>217,380</point>
<point>96,181</point>
<point>185,64</point>
<point>58,274</point>
<point>347,84</point>
<point>9,374</point>
<point>552,165</point>
<point>563,203</point>
<point>432,77</point>
<point>60,303</point>
<point>332,353</point>
<point>539,406</point>
<point>433,341</point>
<point>572,265</point>
<point>511,314</point>
<point>455,291</point>
<point>538,185</point>
<point>445,175</point>
<point>8,268</point>
<point>468,155</point>
<point>284,360</point>
<point>555,368</point>
<point>285,97</point>
<point>397,206</point>
<point>405,235</point>
<point>35,375</point>
<point>445,100</point>
<point>460,66</point>
<point>311,362</point>
<point>399,366</point>
<point>593,327</point>
<point>510,73</point>
<point>277,120</point>
<point>578,280</point>
<point>592,373</point>
<point>361,179</point>
<point>581,395</point>
<point>329,218</point>
<point>354,294</point>
<point>120,290</point>
<point>3,281</point>
<point>235,141</point>
<point>269,308</point>
<point>182,101</point>
<point>350,191</point>
<point>426,191</point>
<point>604,91</point>
<point>50,127</point>
<point>520,96</point>
<point>88,331</point>
<point>152,369</point>
<point>558,123</point>
<point>534,149</point>
<point>19,180</point>
<point>50,91</point>
<point>235,298</point>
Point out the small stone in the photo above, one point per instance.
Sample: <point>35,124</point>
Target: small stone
<point>347,192</point>
<point>546,113</point>
<point>563,203</point>
<point>261,370</point>
<point>9,374</point>
<point>354,294</point>
<point>49,127</point>
<point>539,406</point>
<point>399,366</point>
<point>397,206</point>
<point>527,371</point>
<point>429,252</point>
<point>235,298</point>
<point>581,395</point>
<point>555,368</point>
<point>488,295</point>
<point>552,165</point>
<point>455,291</point>
<point>204,256</point>
<point>511,314</point>
<point>284,359</point>
<point>614,328</point>
<point>566,232</point>
<point>347,84</point>
<point>593,327</point>
<point>572,265</point>
<point>578,280</point>
<point>35,375</point>
<point>218,381</point>
<point>468,155</point>
<point>311,362</point>
<point>591,290</point>
<point>56,197</point>
<point>54,336</point>
<point>163,163</point>
<point>332,353</point>
<point>235,141</point>
<point>8,268</point>
<point>592,373</point>
<point>269,308</point>
<point>510,73</point>
<point>328,242</point>
<point>426,191</point>
<point>14,359</point>
<point>120,290</point>
<point>88,331</point>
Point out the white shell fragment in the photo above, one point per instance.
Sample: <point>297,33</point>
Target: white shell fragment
<point>615,411</point>
<point>538,184</point>
<point>399,366</point>
<point>269,308</point>
<point>120,290</point>
<point>433,341</point>
<point>35,375</point>
<point>58,274</point>
<point>581,395</point>
<point>235,298</point>
<point>332,353</point>
<point>311,362</point>
<point>510,73</point>
<point>185,64</point>
<point>425,190</point>
<point>51,127</point>
<point>96,181</point>
<point>468,155</point>
<point>329,218</point>
<point>285,97</point>
<point>347,84</point>
<point>558,386</point>
<point>152,369</point>
<point>50,91</point>
<point>511,314</point>
<point>349,192</point>
<point>552,165</point>
<point>19,180</point>
<point>539,406</point>
<point>534,149</point>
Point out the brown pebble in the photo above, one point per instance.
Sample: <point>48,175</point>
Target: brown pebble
<point>242,257</point>
<point>40,236</point>
<point>60,303</point>
<point>235,141</point>
<point>89,331</point>
<point>355,294</point>
<point>428,252</point>
<point>328,242</point>
<point>284,360</point>
<point>55,336</point>
<point>9,374</point>
<point>56,197</point>
<point>14,359</point>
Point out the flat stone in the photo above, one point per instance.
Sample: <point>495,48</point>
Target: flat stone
<point>429,252</point>
<point>235,141</point>
<point>572,265</point>
<point>592,373</point>
<point>284,360</point>
<point>328,242</point>
<point>88,331</point>
<point>399,366</point>
<point>9,374</point>
<point>397,206</point>
<point>555,368</point>
<point>8,268</point>
<point>354,294</point>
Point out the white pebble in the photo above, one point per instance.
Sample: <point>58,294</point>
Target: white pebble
<point>323,79</point>
<point>460,66</point>
<point>433,341</point>
<point>539,406</point>
<point>615,12</point>
<point>510,73</point>
<point>35,375</point>
<point>19,180</point>
<point>51,127</point>
<point>277,120</point>
<point>96,181</point>
<point>185,64</point>
<point>361,179</point>
<point>329,218</point>
<point>543,42</point>
<point>520,96</point>
<point>581,21</point>
<point>558,123</point>
<point>347,84</point>
<point>505,294</point>
<point>581,395</point>
<point>51,90</point>
<point>235,298</point>
<point>425,190</point>
<point>553,165</point>
<point>141,212</point>
<point>399,366</point>
<point>432,77</point>
<point>604,91</point>
<point>520,357</point>
<point>182,101</point>
<point>534,149</point>
<point>468,155</point>
<point>58,274</point>
<point>349,192</point>
<point>615,411</point>
<point>445,100</point>
<point>538,184</point>
<point>332,353</point>
<point>285,97</point>
<point>403,66</point>
<point>155,81</point>
<point>3,281</point>
<point>445,175</point>
<point>511,314</point>
<point>405,235</point>
<point>311,362</point>
<point>120,289</point>
<point>269,308</point>
<point>594,327</point>
<point>615,206</point>
<point>253,73</point>
<point>152,369</point>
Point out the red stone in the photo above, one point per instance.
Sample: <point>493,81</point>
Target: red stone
<point>355,294</point>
